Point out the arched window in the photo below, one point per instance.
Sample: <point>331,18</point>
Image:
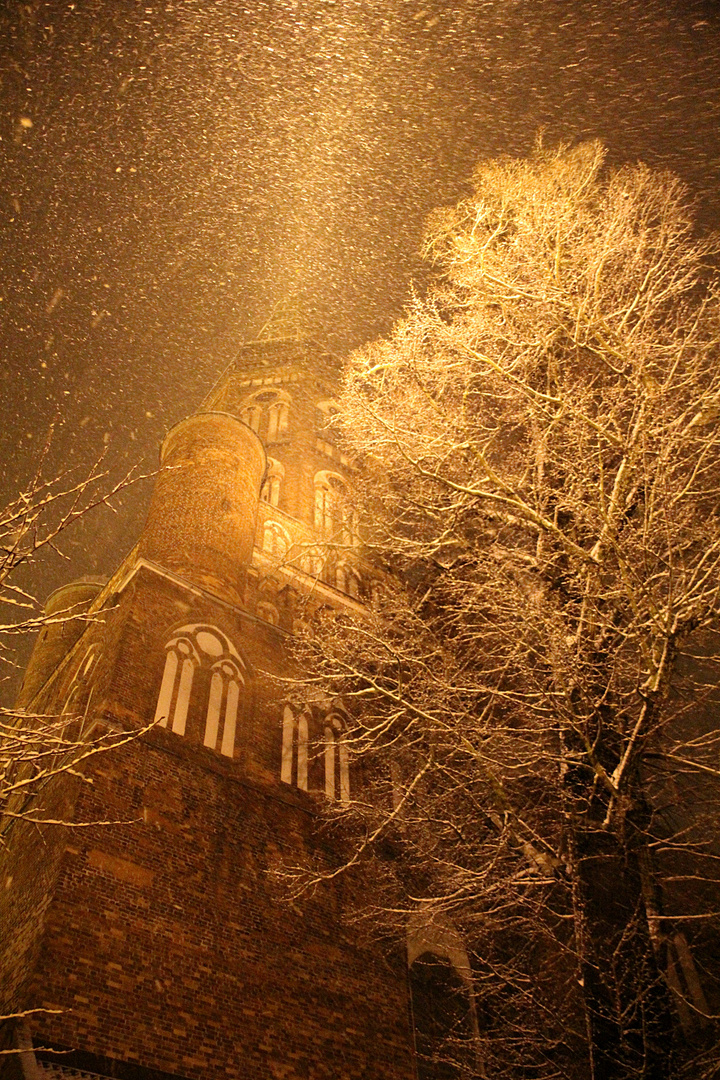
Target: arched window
<point>313,562</point>
<point>275,540</point>
<point>441,1019</point>
<point>442,1002</point>
<point>337,765</point>
<point>347,580</point>
<point>203,676</point>
<point>278,415</point>
<point>331,506</point>
<point>294,761</point>
<point>79,690</point>
<point>271,488</point>
<point>251,416</point>
<point>268,413</point>
<point>268,612</point>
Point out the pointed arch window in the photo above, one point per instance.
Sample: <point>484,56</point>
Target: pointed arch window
<point>268,413</point>
<point>271,488</point>
<point>194,651</point>
<point>313,562</point>
<point>251,416</point>
<point>278,419</point>
<point>331,506</point>
<point>275,540</point>
<point>337,764</point>
<point>294,760</point>
<point>347,580</point>
<point>443,1010</point>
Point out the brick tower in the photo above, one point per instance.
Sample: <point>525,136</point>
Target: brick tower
<point>162,946</point>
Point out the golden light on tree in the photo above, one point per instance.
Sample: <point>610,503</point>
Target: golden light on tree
<point>532,694</point>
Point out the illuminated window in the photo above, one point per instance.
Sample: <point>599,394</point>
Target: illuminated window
<point>337,765</point>
<point>275,540</point>
<point>268,413</point>
<point>347,581</point>
<point>268,612</point>
<point>202,677</point>
<point>294,761</point>
<point>271,488</point>
<point>251,416</point>
<point>332,512</point>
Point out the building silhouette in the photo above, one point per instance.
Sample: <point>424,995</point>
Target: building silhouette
<point>164,945</point>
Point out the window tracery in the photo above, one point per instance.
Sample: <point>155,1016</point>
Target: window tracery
<point>327,767</point>
<point>275,540</point>
<point>202,649</point>
<point>268,413</point>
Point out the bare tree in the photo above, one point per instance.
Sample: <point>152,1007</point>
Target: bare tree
<point>533,694</point>
<point>36,747</point>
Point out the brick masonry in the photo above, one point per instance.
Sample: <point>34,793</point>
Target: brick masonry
<point>167,942</point>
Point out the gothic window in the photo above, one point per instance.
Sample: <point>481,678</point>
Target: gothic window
<point>275,540</point>
<point>203,675</point>
<point>268,413</point>
<point>278,414</point>
<point>347,581</point>
<point>337,766</point>
<point>78,693</point>
<point>268,612</point>
<point>313,562</point>
<point>335,518</point>
<point>251,416</point>
<point>331,508</point>
<point>271,488</point>
<point>294,761</point>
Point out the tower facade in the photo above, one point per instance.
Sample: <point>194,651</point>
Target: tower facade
<point>163,942</point>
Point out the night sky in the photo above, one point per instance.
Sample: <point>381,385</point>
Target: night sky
<point>171,170</point>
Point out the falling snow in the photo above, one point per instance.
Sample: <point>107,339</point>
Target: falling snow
<point>172,170</point>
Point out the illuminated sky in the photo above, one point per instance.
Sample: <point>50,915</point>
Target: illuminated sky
<point>171,169</point>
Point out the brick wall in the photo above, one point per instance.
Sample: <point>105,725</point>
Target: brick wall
<point>168,941</point>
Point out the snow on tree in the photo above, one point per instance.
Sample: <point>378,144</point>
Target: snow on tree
<point>534,690</point>
<point>35,747</point>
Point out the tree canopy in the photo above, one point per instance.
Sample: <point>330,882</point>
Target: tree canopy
<point>532,692</point>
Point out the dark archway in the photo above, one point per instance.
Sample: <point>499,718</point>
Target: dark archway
<point>442,1019</point>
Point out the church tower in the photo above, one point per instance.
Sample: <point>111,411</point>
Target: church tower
<point>161,944</point>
